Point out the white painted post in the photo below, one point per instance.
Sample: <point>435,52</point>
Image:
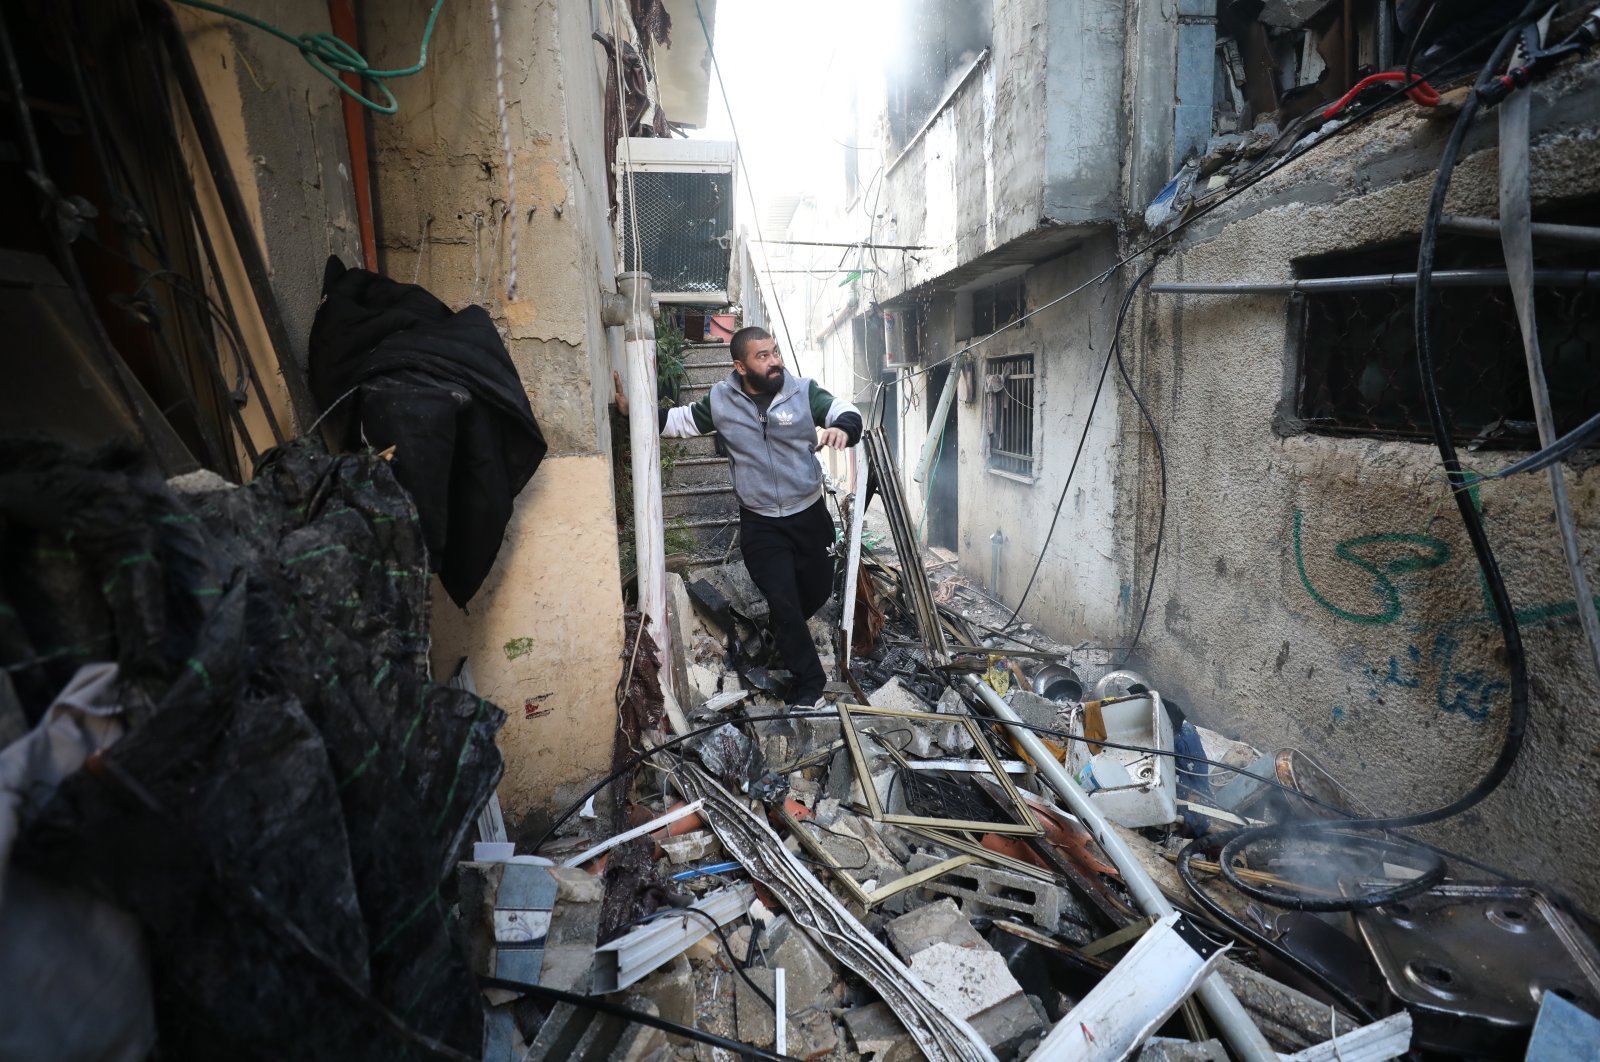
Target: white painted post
<point>644,436</point>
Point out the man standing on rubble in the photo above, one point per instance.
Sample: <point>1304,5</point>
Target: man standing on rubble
<point>768,421</point>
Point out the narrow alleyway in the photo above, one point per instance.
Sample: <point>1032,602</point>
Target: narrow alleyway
<point>650,530</point>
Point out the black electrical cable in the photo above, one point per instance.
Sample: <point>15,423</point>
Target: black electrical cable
<point>1083,437</point>
<point>1248,933</point>
<point>1151,244</point>
<point>555,995</point>
<point>1161,461</point>
<point>738,967</point>
<point>1516,660</point>
<point>1416,40</point>
<point>980,718</point>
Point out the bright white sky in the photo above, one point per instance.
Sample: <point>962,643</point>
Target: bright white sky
<point>789,70</point>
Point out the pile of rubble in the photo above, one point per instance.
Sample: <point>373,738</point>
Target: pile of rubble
<point>981,849</point>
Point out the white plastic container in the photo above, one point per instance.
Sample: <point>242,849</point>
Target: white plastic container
<point>1152,797</point>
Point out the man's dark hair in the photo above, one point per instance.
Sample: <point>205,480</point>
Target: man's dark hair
<point>743,338</point>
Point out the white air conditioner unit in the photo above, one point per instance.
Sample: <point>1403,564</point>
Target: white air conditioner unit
<point>682,197</point>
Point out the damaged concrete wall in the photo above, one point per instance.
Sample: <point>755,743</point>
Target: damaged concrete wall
<point>1394,678</point>
<point>1076,589</point>
<point>544,635</point>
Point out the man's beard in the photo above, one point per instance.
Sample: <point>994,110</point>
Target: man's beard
<point>770,384</point>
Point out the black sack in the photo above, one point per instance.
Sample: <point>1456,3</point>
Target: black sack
<point>440,388</point>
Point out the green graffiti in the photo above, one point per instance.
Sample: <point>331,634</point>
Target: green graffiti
<point>1435,554</point>
<point>518,647</point>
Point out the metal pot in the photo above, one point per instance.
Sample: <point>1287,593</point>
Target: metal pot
<point>1118,683</point>
<point>1058,683</point>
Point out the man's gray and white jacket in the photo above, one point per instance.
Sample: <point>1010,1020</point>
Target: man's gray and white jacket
<point>772,464</point>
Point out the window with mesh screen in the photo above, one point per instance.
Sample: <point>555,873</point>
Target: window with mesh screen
<point>1357,354</point>
<point>1010,392</point>
<point>684,224</point>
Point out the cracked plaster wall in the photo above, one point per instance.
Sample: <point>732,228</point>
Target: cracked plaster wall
<point>544,634</point>
<point>1396,684</point>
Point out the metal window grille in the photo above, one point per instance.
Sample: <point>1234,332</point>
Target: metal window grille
<point>1011,434</point>
<point>684,224</point>
<point>1358,365</point>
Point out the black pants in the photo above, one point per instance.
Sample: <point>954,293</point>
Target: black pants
<point>787,557</point>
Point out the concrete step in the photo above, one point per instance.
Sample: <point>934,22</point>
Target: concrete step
<point>711,354</point>
<point>691,392</point>
<point>699,472</point>
<point>694,446</point>
<point>698,502</point>
<point>706,375</point>
<point>712,536</point>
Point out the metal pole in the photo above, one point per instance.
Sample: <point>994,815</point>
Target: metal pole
<point>930,445</point>
<point>1584,235</point>
<point>644,437</point>
<point>852,571</point>
<point>1451,278</point>
<point>1235,1025</point>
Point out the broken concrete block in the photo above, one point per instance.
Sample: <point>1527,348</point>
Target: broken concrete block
<point>671,988</point>
<point>967,980</point>
<point>704,684</point>
<point>893,695</point>
<point>1034,709</point>
<point>930,924</point>
<point>975,984</point>
<point>813,980</point>
<point>878,1035</point>
<point>812,1033</point>
<point>861,852</point>
<point>752,1017</point>
<point>1001,893</point>
<point>691,847</point>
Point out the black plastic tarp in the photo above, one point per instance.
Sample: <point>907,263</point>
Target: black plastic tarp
<point>294,788</point>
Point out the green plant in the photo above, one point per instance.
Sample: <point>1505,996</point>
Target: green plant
<point>670,370</point>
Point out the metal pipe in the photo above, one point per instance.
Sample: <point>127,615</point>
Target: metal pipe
<point>931,444</point>
<point>1584,235</point>
<point>644,437</point>
<point>1235,1025</point>
<point>1450,278</point>
<point>852,570</point>
<point>1385,20</point>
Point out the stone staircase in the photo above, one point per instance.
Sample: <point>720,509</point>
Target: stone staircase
<point>698,497</point>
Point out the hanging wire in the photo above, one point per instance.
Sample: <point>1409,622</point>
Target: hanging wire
<point>331,56</point>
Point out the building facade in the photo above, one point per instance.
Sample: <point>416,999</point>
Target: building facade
<point>1313,587</point>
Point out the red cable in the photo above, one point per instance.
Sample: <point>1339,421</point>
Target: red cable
<point>1421,93</point>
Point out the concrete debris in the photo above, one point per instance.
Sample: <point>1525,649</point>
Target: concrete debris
<point>877,1035</point>
<point>1002,894</point>
<point>894,695</point>
<point>996,939</point>
<point>691,847</point>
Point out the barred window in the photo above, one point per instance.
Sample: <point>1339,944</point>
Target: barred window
<point>995,307</point>
<point>1010,414</point>
<point>1357,360</point>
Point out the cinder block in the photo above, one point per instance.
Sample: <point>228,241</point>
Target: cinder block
<point>1002,893</point>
